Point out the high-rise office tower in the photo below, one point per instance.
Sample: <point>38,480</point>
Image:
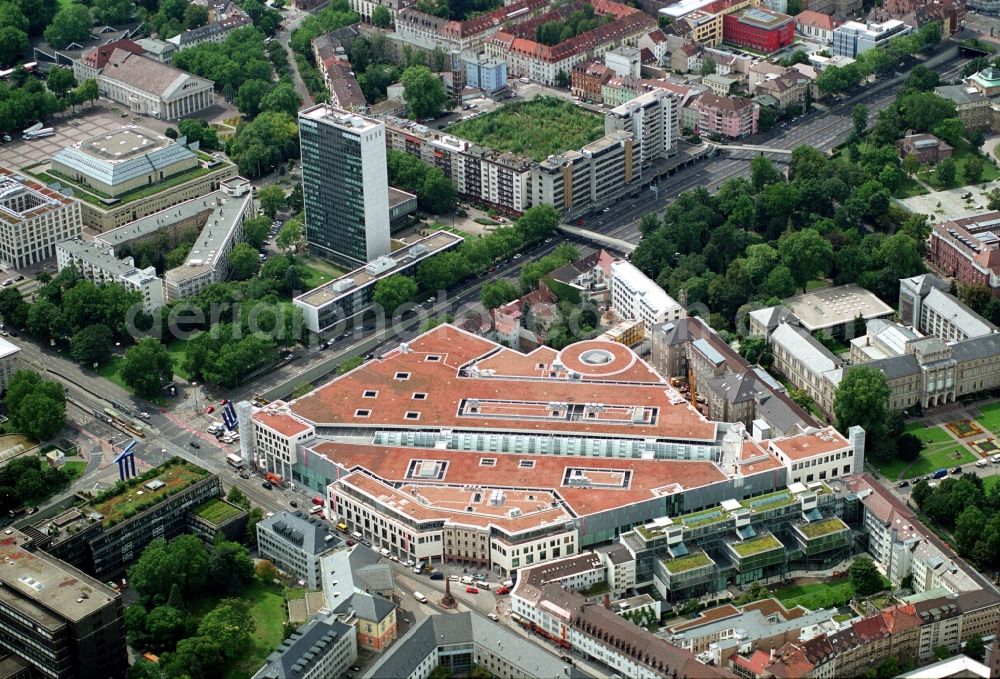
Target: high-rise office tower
<point>344,185</point>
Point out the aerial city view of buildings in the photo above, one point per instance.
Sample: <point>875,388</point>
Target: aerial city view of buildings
<point>475,338</point>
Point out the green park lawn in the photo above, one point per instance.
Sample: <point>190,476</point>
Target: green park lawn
<point>909,188</point>
<point>216,511</point>
<point>267,602</point>
<point>109,371</point>
<point>315,271</point>
<point>990,418</point>
<point>928,434</point>
<point>961,154</point>
<point>989,482</point>
<point>929,462</point>
<point>176,348</point>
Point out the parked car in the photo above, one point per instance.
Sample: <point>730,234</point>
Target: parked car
<point>981,463</point>
<point>437,576</point>
<point>195,445</point>
<point>472,590</point>
<point>956,470</point>
<point>294,504</point>
<point>902,484</point>
<point>209,410</point>
<point>493,617</point>
<point>266,485</point>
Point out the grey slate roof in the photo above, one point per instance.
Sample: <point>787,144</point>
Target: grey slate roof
<point>967,320</point>
<point>805,348</point>
<point>772,316</point>
<point>736,388</point>
<point>367,606</point>
<point>147,74</point>
<point>987,346</point>
<point>924,283</point>
<point>293,658</point>
<point>895,367</point>
<point>778,413</point>
<point>313,536</point>
<point>376,578</point>
<point>403,657</point>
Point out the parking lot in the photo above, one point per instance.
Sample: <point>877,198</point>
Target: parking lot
<point>70,129</point>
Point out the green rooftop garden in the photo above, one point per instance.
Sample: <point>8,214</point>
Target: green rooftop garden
<point>216,511</point>
<point>648,534</point>
<point>818,529</point>
<point>757,545</point>
<point>687,563</point>
<point>125,500</point>
<point>704,517</point>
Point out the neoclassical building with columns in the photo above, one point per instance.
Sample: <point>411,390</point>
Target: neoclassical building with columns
<point>150,88</point>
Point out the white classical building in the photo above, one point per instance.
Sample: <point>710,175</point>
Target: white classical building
<point>151,88</point>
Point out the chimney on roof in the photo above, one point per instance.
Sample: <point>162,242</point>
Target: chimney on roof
<point>607,601</point>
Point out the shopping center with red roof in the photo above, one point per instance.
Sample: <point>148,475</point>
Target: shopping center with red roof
<point>454,448</point>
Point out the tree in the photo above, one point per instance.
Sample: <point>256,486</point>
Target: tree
<point>945,172</point>
<point>13,45</point>
<point>197,130</point>
<point>393,291</point>
<point>146,367</point>
<point>708,66</point>
<point>282,99</point>
<point>256,516</point>
<point>255,230</point>
<point>993,199</point>
<point>862,399</point>
<point>922,79</point>
<point>230,623</point>
<point>951,130</point>
<point>423,92</point>
<point>60,81</point>
<point>537,222</point>
<point>113,12</point>
<point>250,95</point>
<point>972,170</point>
<point>230,567</point>
<point>911,165</point>
<point>806,254</point>
<point>11,15</point>
<point>244,261</point>
<point>135,623</point>
<point>195,16</point>
<point>864,577</point>
<point>236,497</point>
<point>755,350</point>
<point>763,173</point>
<point>165,626</point>
<point>72,23</point>
<point>438,194</point>
<point>497,293</point>
<point>289,235</point>
<point>197,656</point>
<point>272,199</point>
<point>859,118</point>
<point>183,560</point>
<point>92,345</point>
<point>974,647</point>
<point>35,406</point>
<point>381,17</point>
<point>87,91</point>
<point>968,529</point>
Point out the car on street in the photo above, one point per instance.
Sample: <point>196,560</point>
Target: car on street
<point>266,485</point>
<point>981,463</point>
<point>293,503</point>
<point>209,410</point>
<point>503,590</point>
<point>493,617</point>
<point>244,475</point>
<point>437,576</point>
<point>472,590</point>
<point>956,470</point>
<point>902,484</point>
<point>19,277</point>
<point>195,445</point>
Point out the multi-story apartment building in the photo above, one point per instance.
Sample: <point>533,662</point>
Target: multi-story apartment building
<point>228,16</point>
<point>702,20</point>
<point>968,249</point>
<point>852,38</point>
<point>546,64</point>
<point>496,178</point>
<point>575,182</point>
<point>62,623</point>
<point>33,218</point>
<point>788,88</point>
<point>98,537</point>
<point>365,8</point>
<point>587,78</point>
<point>759,29</point>
<point>732,117</point>
<point>344,185</point>
<point>296,543</point>
<point>652,120</point>
<point>97,262</point>
<point>323,647</point>
<point>427,31</point>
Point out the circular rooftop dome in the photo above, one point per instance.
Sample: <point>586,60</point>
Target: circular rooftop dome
<point>597,358</point>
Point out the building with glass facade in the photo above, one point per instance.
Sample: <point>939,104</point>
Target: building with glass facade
<point>344,185</point>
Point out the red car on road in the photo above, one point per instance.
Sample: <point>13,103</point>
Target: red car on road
<point>503,590</point>
<point>209,410</point>
<point>472,590</point>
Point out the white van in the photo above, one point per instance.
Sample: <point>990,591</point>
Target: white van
<point>995,458</point>
<point>356,535</point>
<point>467,580</point>
<point>420,597</point>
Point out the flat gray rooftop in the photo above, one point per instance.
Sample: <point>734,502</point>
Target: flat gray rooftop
<point>829,307</point>
<point>123,144</point>
<point>49,582</point>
